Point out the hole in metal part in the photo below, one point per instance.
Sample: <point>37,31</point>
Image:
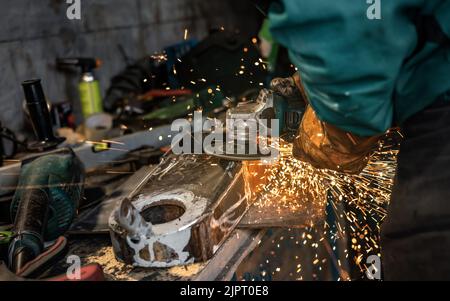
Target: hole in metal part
<point>163,211</point>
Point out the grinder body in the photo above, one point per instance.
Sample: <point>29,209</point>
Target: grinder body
<point>45,203</point>
<point>271,115</point>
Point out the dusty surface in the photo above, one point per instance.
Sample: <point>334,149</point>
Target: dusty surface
<point>98,249</point>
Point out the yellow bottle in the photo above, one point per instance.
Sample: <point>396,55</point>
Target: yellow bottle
<point>89,87</point>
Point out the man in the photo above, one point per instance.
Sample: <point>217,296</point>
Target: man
<point>361,76</point>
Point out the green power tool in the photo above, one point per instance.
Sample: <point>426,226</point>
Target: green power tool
<point>44,204</point>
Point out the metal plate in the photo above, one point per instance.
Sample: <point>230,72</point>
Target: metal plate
<point>210,150</point>
<point>211,197</point>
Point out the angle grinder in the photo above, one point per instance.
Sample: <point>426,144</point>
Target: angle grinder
<point>44,204</point>
<point>253,127</point>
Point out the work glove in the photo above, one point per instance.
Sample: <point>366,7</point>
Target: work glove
<point>290,88</point>
<point>327,147</point>
<point>321,144</point>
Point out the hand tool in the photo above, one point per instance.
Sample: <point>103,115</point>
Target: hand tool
<point>89,272</point>
<point>44,204</point>
<point>259,114</point>
<point>50,255</point>
<point>36,106</point>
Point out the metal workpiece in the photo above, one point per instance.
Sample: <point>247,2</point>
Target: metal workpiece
<point>180,213</point>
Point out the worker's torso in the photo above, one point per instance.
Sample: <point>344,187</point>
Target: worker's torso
<point>365,75</point>
<point>425,76</point>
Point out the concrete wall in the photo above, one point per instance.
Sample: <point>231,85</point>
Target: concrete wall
<point>34,32</point>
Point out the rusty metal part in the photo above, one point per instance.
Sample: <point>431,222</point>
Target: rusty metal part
<point>181,213</point>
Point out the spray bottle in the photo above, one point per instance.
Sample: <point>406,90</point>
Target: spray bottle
<point>89,88</point>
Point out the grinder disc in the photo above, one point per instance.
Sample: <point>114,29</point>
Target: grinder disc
<point>236,155</point>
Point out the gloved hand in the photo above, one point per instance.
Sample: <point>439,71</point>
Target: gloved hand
<point>290,88</point>
<point>326,146</point>
<point>323,145</point>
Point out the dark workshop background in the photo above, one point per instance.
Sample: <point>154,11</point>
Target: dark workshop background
<point>33,33</point>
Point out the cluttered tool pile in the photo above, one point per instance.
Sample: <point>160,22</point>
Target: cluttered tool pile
<point>121,203</point>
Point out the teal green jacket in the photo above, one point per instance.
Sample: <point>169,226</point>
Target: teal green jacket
<point>364,75</point>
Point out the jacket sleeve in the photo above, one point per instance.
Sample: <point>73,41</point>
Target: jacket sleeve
<point>348,63</point>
